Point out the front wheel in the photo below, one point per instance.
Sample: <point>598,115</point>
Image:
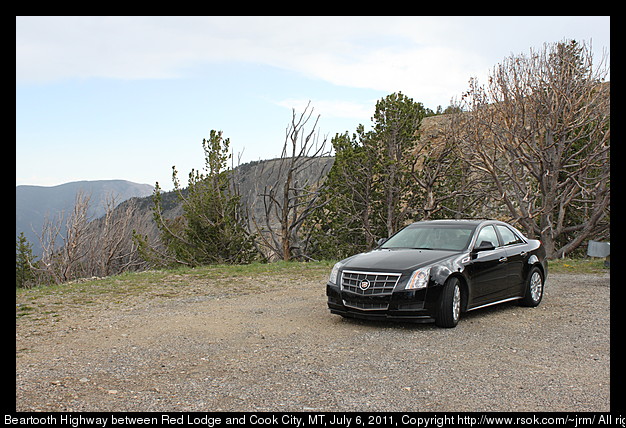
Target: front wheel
<point>534,288</point>
<point>449,310</point>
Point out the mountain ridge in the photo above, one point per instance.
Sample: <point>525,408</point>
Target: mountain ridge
<point>34,203</point>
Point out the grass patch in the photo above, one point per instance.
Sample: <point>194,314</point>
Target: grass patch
<point>51,302</point>
<point>253,269</point>
<point>23,310</point>
<point>585,265</point>
<point>161,283</point>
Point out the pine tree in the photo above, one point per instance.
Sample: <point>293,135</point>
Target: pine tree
<point>344,225</point>
<point>396,121</point>
<point>211,229</point>
<point>370,192</point>
<point>24,260</point>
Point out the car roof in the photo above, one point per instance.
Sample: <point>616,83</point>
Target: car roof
<point>470,222</point>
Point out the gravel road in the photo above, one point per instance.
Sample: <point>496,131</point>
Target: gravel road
<point>279,349</point>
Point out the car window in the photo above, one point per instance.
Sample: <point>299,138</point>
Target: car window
<point>431,237</point>
<point>487,233</point>
<point>508,237</point>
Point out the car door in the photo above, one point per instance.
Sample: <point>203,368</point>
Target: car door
<point>516,253</point>
<point>488,269</point>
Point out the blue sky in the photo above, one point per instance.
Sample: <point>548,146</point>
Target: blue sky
<point>129,97</point>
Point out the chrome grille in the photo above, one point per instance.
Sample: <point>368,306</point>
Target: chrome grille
<point>378,283</point>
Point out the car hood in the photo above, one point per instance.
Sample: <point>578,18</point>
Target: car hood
<point>396,259</point>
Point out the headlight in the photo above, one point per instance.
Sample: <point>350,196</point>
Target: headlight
<point>333,273</point>
<point>419,279</point>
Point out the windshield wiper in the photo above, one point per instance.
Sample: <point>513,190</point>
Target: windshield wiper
<point>422,248</point>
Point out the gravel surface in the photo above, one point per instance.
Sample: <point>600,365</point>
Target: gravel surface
<point>279,349</point>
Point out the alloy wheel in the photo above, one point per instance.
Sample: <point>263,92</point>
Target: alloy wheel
<point>456,303</point>
<point>536,286</point>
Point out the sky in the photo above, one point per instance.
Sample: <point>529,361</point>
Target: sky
<point>101,98</point>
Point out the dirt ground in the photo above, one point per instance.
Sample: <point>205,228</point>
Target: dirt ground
<point>276,347</point>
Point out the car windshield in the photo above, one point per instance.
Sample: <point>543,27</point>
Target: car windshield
<point>432,237</point>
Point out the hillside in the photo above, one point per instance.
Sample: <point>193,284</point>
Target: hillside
<point>251,178</point>
<point>34,203</point>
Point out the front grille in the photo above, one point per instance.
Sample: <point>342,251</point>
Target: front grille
<point>369,283</point>
<point>366,306</point>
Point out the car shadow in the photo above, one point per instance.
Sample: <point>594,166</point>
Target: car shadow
<point>475,315</point>
<point>490,311</point>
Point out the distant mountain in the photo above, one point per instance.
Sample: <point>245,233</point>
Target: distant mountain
<point>251,179</point>
<point>34,203</point>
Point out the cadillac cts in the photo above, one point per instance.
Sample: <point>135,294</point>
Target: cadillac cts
<point>435,270</point>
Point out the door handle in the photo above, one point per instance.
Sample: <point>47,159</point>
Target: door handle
<point>502,259</point>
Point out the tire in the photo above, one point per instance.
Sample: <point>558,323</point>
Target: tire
<point>534,288</point>
<point>449,310</point>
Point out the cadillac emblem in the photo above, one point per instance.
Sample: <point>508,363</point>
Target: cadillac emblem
<point>364,285</point>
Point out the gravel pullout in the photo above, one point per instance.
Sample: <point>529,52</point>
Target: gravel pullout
<point>278,348</point>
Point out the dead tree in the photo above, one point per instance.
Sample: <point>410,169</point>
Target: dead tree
<point>290,190</point>
<point>540,131</point>
<point>114,250</point>
<point>62,263</point>
<point>74,246</point>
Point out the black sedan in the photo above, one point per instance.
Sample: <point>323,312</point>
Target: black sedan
<point>435,270</point>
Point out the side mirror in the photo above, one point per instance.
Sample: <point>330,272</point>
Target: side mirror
<point>381,241</point>
<point>484,246</point>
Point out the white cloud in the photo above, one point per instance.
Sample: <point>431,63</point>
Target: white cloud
<point>429,74</point>
<point>429,58</point>
<point>49,48</point>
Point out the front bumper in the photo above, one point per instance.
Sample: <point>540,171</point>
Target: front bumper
<point>403,305</point>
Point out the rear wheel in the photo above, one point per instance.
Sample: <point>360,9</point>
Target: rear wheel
<point>449,310</point>
<point>534,288</point>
